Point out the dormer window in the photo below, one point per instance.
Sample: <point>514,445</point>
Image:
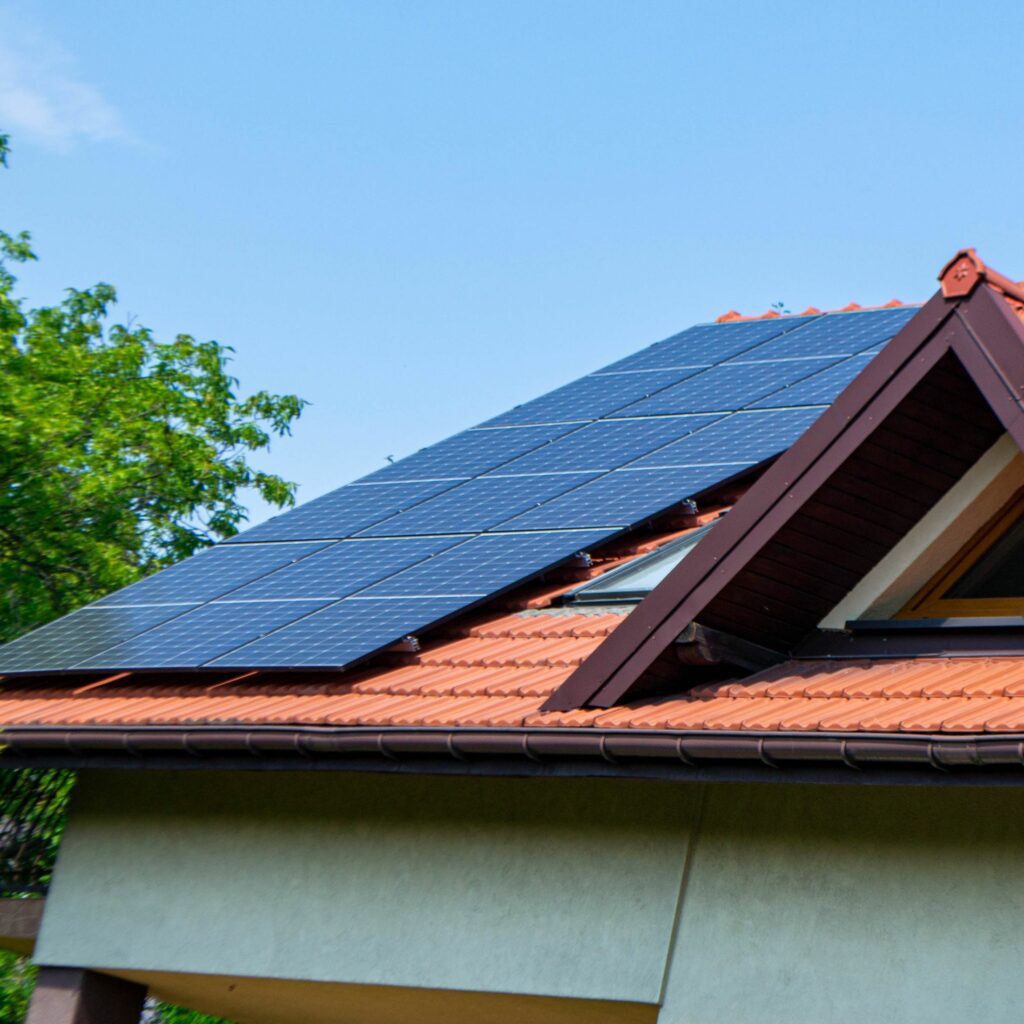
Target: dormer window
<point>985,578</point>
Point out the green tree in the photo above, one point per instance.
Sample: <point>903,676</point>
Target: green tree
<point>119,454</point>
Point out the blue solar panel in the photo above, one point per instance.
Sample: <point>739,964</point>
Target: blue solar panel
<point>470,453</point>
<point>838,334</point>
<point>591,397</point>
<point>621,498</point>
<point>486,564</point>
<point>478,504</point>
<point>342,632</point>
<point>198,636</point>
<point>344,568</point>
<point>64,643</point>
<point>210,574</point>
<point>354,570</point>
<point>343,512</point>
<point>708,344</point>
<point>607,444</point>
<point>819,389</point>
<point>727,387</point>
<point>744,439</point>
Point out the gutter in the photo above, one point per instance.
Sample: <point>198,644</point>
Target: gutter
<point>775,756</point>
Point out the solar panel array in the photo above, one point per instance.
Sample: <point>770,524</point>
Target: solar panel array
<point>349,573</point>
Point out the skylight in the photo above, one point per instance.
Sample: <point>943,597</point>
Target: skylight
<point>632,582</point>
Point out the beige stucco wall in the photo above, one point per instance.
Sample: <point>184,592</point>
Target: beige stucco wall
<point>770,903</point>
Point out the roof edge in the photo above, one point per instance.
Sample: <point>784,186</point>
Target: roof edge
<point>782,757</point>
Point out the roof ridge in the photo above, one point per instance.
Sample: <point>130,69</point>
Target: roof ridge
<point>851,307</point>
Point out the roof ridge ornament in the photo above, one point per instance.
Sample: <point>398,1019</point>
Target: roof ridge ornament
<point>961,275</point>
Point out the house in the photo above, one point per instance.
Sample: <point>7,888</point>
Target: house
<point>692,692</point>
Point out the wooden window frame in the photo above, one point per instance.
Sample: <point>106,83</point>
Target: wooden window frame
<point>928,602</point>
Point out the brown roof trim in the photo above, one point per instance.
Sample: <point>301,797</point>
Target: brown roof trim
<point>782,757</point>
<point>987,339</point>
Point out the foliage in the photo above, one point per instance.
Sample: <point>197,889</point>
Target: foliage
<point>17,976</point>
<point>119,453</point>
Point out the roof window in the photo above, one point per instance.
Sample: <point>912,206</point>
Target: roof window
<point>632,582</point>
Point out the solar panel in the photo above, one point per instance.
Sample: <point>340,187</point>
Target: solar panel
<point>622,498</point>
<point>350,572</point>
<point>478,504</point>
<point>198,636</point>
<point>707,344</point>
<point>838,334</point>
<point>607,444</point>
<point>486,564</point>
<point>64,643</point>
<point>748,437</point>
<point>342,632</point>
<point>732,385</point>
<point>818,389</point>
<point>341,513</point>
<point>470,453</point>
<point>344,568</point>
<point>591,397</point>
<point>210,574</point>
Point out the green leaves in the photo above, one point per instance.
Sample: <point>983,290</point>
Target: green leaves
<point>119,453</point>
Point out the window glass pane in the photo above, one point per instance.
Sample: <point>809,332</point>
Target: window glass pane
<point>636,579</point>
<point>999,572</point>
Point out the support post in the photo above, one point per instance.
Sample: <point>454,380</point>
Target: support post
<point>72,995</point>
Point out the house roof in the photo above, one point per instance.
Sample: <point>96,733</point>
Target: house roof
<point>503,678</point>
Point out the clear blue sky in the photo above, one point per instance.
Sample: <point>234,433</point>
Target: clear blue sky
<point>416,215</point>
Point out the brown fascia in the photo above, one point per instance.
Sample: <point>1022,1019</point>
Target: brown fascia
<point>893,442</point>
